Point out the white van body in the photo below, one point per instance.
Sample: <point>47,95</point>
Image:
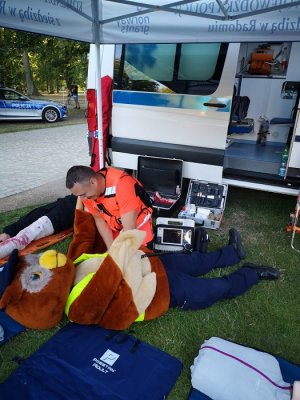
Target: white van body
<point>194,126</point>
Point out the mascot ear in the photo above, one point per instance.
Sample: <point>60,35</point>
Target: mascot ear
<point>125,246</point>
<point>7,271</point>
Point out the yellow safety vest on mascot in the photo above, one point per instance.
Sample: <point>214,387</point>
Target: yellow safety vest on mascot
<point>116,289</point>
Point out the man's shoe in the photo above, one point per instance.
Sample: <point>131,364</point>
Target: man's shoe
<point>236,241</point>
<point>264,272</point>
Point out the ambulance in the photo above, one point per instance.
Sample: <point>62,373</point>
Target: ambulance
<point>230,111</point>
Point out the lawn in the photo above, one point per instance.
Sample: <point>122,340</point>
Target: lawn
<point>266,317</point>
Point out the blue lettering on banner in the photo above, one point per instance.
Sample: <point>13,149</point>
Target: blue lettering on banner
<point>234,7</point>
<point>74,3</point>
<point>139,24</point>
<point>231,7</point>
<point>235,26</point>
<point>286,24</point>
<point>2,7</point>
<point>30,15</point>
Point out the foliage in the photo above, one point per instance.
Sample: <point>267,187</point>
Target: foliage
<point>265,317</point>
<point>54,62</point>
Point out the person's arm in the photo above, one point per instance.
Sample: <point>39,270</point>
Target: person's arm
<point>104,230</point>
<point>129,220</point>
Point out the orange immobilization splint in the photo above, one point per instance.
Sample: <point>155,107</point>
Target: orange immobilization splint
<point>39,244</point>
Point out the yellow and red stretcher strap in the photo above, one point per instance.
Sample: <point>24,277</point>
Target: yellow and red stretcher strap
<point>39,244</point>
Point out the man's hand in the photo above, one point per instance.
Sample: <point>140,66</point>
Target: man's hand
<point>4,236</point>
<point>128,222</point>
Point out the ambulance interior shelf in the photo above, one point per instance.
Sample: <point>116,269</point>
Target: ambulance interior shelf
<point>265,59</point>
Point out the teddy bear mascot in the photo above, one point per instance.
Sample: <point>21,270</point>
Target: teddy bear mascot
<point>118,287</point>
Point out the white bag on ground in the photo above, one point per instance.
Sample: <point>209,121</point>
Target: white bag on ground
<point>227,371</point>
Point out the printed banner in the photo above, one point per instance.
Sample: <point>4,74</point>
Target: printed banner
<point>156,22</point>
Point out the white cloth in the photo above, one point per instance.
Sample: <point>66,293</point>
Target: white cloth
<point>222,377</point>
<point>38,229</point>
<point>296,391</point>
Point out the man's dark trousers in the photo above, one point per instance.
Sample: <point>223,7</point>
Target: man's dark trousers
<point>190,292</point>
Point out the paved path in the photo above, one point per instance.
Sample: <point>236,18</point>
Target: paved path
<point>33,164</point>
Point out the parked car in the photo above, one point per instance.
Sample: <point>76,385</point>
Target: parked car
<point>16,106</point>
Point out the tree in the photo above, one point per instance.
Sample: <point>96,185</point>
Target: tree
<point>63,61</point>
<point>36,63</point>
<point>31,88</point>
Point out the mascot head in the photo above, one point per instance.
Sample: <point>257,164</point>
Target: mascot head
<point>40,286</point>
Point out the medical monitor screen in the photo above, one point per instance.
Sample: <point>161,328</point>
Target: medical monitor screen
<point>172,236</point>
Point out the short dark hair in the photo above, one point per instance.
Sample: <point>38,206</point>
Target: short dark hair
<point>78,174</point>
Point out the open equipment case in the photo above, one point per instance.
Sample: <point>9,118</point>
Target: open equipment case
<point>162,180</point>
<point>205,203</point>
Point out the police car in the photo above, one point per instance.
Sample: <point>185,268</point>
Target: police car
<point>16,106</point>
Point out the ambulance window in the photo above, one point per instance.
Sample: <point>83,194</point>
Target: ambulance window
<point>192,65</point>
<point>190,68</point>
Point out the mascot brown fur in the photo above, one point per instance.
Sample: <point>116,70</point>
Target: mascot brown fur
<point>115,290</point>
<point>38,292</point>
<point>112,290</point>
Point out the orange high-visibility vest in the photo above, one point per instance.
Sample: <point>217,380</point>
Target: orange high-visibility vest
<point>108,207</point>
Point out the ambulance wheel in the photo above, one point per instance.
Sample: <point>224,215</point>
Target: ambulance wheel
<point>50,114</point>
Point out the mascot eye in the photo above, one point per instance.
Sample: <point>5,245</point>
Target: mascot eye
<point>36,276</point>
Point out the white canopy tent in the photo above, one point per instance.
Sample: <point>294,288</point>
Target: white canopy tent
<point>125,21</point>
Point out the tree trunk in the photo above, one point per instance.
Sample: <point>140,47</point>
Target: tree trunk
<point>31,88</point>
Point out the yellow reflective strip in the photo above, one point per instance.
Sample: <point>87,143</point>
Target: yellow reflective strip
<point>86,256</point>
<point>140,318</point>
<point>76,291</point>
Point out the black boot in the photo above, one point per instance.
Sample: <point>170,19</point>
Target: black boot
<point>236,241</point>
<point>264,272</point>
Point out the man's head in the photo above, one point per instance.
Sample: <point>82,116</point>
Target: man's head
<point>84,182</point>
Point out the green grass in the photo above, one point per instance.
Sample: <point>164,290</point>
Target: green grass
<point>266,317</point>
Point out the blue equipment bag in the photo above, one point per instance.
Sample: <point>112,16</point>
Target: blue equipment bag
<point>89,362</point>
<point>8,327</point>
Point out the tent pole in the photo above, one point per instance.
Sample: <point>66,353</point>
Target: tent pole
<point>99,106</point>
